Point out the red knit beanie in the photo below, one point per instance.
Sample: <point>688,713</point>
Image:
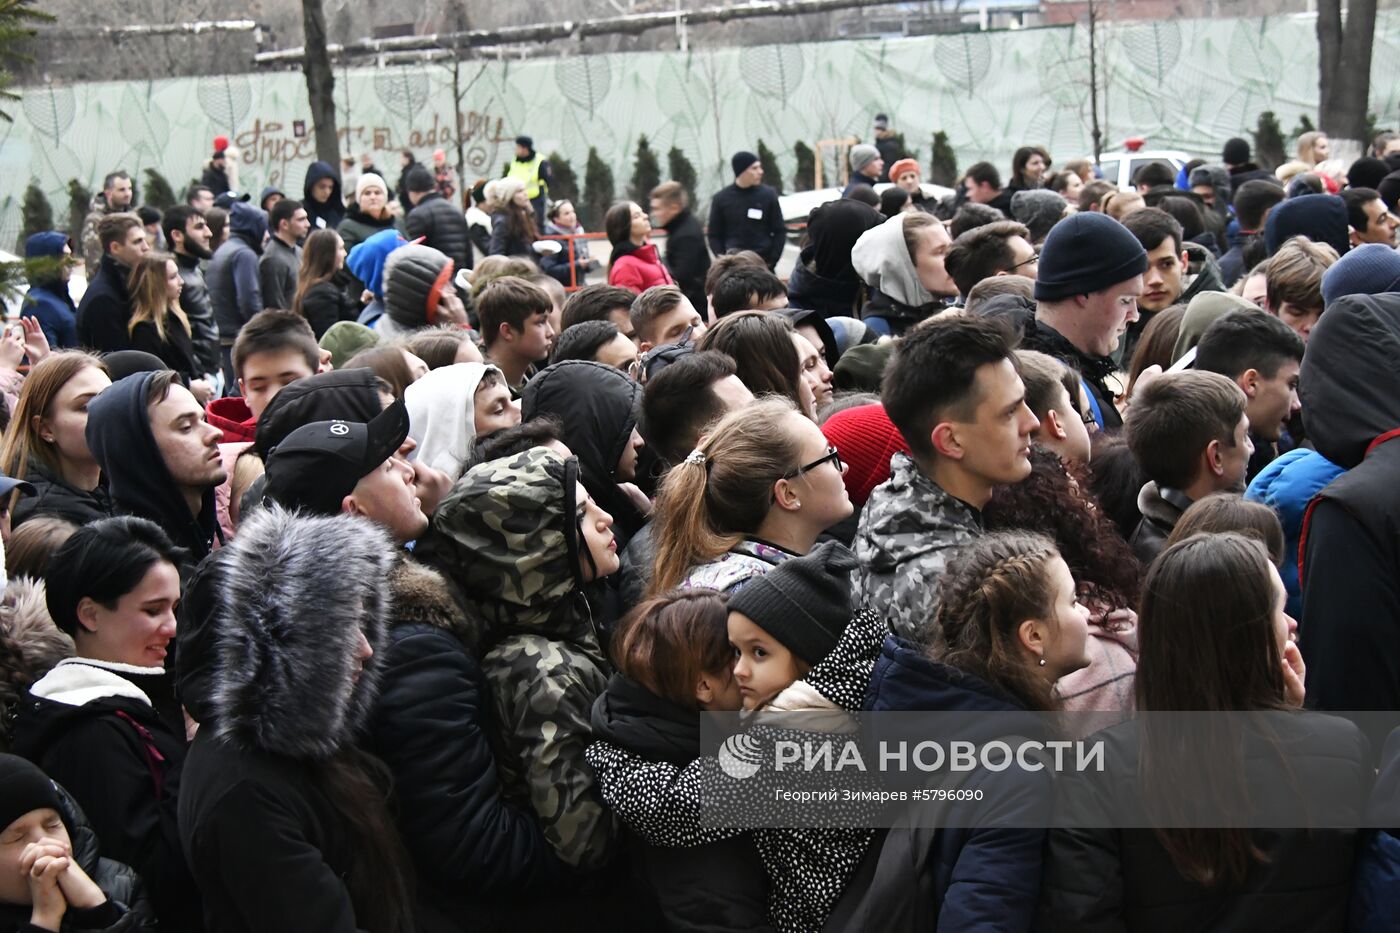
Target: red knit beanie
<point>866,439</point>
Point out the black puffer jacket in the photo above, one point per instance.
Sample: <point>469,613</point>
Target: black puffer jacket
<point>1101,880</point>
<point>431,725</point>
<point>53,496</point>
<point>442,226</point>
<point>598,406</point>
<point>127,910</point>
<point>112,735</point>
<point>1350,546</point>
<point>267,658</point>
<point>325,303</point>
<point>708,888</point>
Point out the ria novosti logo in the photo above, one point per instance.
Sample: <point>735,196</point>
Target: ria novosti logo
<point>740,756</point>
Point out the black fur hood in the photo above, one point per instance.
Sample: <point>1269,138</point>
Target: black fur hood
<point>272,646</point>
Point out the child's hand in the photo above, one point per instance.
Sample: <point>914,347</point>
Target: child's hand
<point>42,863</point>
<point>1295,674</point>
<point>78,889</point>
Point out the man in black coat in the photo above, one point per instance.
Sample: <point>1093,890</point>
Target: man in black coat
<point>188,234</point>
<point>746,215</point>
<point>686,254</point>
<point>106,307</point>
<point>433,218</point>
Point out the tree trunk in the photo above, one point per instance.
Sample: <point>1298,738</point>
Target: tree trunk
<point>1344,58</point>
<point>320,83</point>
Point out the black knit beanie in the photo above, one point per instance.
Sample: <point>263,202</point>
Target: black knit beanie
<point>1235,152</point>
<point>804,602</point>
<point>1087,253</point>
<point>741,162</point>
<point>23,787</point>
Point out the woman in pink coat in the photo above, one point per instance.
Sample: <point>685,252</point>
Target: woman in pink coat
<point>635,264</point>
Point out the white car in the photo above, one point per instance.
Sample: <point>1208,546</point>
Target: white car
<point>797,207</point>
<point>1119,167</point>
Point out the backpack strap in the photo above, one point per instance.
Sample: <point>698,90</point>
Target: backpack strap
<point>155,761</point>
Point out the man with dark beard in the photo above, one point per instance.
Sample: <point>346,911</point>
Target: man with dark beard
<point>188,235</point>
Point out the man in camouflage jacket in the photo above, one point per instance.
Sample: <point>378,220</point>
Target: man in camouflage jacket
<point>115,197</point>
<point>909,530</point>
<point>503,535</point>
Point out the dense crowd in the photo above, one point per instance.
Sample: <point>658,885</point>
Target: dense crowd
<point>370,569</point>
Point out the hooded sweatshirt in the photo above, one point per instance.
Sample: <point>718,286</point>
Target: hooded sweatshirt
<point>598,406</point>
<point>1349,563</point>
<point>48,299</point>
<point>232,275</point>
<point>327,215</point>
<point>120,438</point>
<point>1202,311</point>
<point>366,263</point>
<point>824,278</point>
<point>909,530</point>
<point>882,260</point>
<point>267,664</point>
<point>442,416</point>
<point>507,535</point>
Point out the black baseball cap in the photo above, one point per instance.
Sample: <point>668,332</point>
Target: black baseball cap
<point>230,198</point>
<point>317,465</point>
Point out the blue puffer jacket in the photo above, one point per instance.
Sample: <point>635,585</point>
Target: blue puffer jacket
<point>48,298</point>
<point>1287,485</point>
<point>974,878</point>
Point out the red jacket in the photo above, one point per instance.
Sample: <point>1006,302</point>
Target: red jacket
<point>232,416</point>
<point>640,270</point>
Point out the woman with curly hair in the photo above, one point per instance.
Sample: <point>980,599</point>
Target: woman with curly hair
<point>1054,501</point>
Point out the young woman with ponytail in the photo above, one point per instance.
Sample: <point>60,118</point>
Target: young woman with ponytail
<point>761,488</point>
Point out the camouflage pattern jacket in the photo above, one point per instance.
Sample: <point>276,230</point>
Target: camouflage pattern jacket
<point>507,535</point>
<point>909,530</point>
<point>91,244</point>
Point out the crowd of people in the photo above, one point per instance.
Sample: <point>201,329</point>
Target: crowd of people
<point>368,571</point>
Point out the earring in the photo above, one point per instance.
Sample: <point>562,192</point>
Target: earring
<point>1042,662</point>
<point>796,504</point>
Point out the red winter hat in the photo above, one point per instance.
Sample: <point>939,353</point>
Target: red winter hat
<point>220,143</point>
<point>866,439</point>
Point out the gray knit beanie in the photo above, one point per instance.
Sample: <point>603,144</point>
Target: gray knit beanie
<point>862,155</point>
<point>804,602</point>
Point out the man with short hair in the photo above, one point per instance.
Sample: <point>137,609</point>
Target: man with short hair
<point>982,182</point>
<point>1086,293</point>
<point>599,341</point>
<point>661,315</point>
<point>866,168</point>
<point>999,248</point>
<point>1262,356</point>
<point>442,226</point>
<point>686,254</point>
<point>199,197</point>
<point>515,329</point>
<point>600,303</point>
<point>105,310</point>
<point>1371,221</point>
<point>1155,175</point>
<point>232,277</point>
<point>1166,281</point>
<point>114,198</point>
<point>188,234</point>
<point>1293,283</point>
<point>281,259</point>
<point>953,391</point>
<point>1252,201</point>
<point>1189,433</point>
<point>746,215</point>
<point>273,350</point>
<point>160,457</point>
<point>747,288</point>
<point>1053,394</point>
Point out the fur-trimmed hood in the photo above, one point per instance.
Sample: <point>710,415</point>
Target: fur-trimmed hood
<point>422,596</point>
<point>269,656</point>
<point>30,644</point>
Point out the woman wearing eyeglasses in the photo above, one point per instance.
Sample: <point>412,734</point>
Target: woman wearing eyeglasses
<point>760,488</point>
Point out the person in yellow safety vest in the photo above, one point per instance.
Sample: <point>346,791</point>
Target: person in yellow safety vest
<point>532,169</point>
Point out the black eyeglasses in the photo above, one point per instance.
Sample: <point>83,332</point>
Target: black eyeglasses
<point>1035,257</point>
<point>831,455</point>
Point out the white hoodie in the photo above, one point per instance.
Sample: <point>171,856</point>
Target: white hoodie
<point>442,415</point>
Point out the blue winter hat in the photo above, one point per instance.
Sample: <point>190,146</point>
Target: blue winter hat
<point>1367,270</point>
<point>48,243</point>
<point>1087,253</point>
<point>366,260</point>
<point>1321,218</point>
